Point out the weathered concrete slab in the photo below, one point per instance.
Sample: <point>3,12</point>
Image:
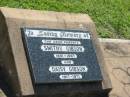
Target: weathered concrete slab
<point>12,50</point>
<point>116,52</point>
<point>117,57</point>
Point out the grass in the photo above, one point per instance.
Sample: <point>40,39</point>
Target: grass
<point>112,17</point>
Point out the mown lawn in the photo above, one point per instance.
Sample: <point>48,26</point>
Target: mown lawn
<point>112,17</point>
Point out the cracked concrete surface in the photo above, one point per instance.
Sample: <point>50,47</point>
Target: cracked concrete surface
<point>117,58</point>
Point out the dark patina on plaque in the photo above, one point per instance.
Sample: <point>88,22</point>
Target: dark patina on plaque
<point>57,55</point>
